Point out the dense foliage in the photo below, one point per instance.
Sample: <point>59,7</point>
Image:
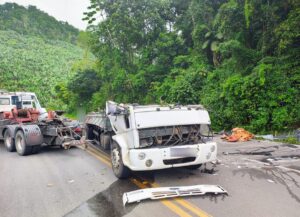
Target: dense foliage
<point>240,58</point>
<point>36,53</point>
<point>28,63</point>
<point>32,21</point>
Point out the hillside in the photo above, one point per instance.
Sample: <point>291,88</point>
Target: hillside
<point>29,63</point>
<point>32,21</point>
<point>240,59</point>
<point>36,52</point>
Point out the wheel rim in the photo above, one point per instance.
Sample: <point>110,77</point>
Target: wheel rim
<point>115,158</point>
<point>19,141</point>
<point>8,141</point>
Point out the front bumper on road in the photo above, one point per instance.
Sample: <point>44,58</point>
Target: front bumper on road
<point>176,156</point>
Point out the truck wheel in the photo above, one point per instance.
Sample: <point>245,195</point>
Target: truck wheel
<point>9,141</point>
<point>119,169</point>
<point>35,149</point>
<point>194,167</point>
<point>89,132</point>
<point>21,146</point>
<point>105,141</point>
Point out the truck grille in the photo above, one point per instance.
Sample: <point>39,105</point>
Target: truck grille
<point>172,136</point>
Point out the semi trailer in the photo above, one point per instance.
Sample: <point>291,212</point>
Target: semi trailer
<point>25,126</point>
<point>152,137</point>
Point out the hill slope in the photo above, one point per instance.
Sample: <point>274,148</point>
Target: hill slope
<point>36,52</point>
<point>29,63</point>
<point>32,21</point>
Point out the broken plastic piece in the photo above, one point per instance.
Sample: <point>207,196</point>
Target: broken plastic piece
<point>167,192</point>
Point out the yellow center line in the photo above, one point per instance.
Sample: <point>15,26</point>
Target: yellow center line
<point>196,210</point>
<point>168,204</point>
<point>102,156</point>
<point>192,207</point>
<point>99,158</point>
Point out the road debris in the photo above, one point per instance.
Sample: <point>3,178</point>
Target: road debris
<point>238,134</point>
<point>269,180</point>
<point>167,192</point>
<point>266,153</point>
<point>50,185</point>
<point>71,181</point>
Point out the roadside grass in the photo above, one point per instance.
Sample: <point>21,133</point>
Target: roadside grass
<point>288,140</point>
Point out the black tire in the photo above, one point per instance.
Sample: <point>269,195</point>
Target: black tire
<point>35,149</point>
<point>89,132</point>
<point>119,169</point>
<point>194,167</point>
<point>9,142</point>
<point>21,146</point>
<point>105,141</point>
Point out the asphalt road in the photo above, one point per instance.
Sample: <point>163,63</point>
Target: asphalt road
<point>262,179</point>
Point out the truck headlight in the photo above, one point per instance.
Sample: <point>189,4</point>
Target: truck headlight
<point>142,156</point>
<point>149,163</point>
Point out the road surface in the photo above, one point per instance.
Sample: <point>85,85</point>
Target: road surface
<point>262,179</point>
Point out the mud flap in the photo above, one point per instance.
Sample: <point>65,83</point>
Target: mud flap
<point>167,192</point>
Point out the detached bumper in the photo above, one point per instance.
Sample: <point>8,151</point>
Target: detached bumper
<point>177,156</point>
<point>167,192</point>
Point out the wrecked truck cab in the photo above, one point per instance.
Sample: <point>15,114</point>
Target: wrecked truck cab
<point>156,137</point>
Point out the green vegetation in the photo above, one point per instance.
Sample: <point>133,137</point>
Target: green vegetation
<point>240,58</point>
<point>29,63</point>
<point>36,53</point>
<point>32,21</point>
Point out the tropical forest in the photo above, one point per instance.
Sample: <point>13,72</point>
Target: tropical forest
<point>240,59</point>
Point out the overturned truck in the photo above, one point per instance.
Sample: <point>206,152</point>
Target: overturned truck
<point>153,137</point>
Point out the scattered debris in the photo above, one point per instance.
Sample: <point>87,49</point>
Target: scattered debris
<point>167,192</point>
<point>291,137</point>
<point>71,181</point>
<point>269,180</point>
<point>267,137</point>
<point>50,185</point>
<point>283,159</point>
<point>266,153</point>
<point>238,134</point>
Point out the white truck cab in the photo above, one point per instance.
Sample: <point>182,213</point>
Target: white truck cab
<point>156,137</point>
<point>24,100</point>
<point>7,101</point>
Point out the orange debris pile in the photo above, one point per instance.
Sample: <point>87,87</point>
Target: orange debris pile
<point>238,134</point>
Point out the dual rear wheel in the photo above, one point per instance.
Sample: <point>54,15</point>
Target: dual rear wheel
<point>19,144</point>
<point>9,141</point>
<point>23,148</point>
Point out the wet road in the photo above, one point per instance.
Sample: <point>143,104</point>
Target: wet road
<point>262,179</point>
